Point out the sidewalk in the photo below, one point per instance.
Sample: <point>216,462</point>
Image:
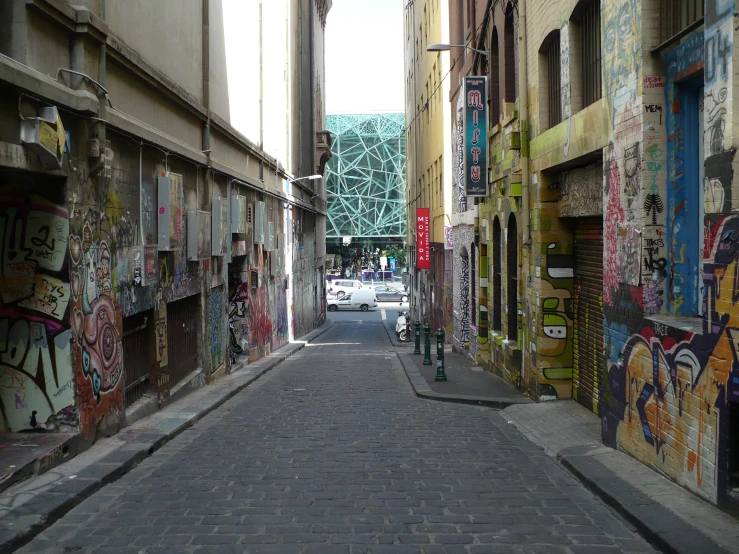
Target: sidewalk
<point>466,383</point>
<point>29,507</point>
<point>666,514</point>
<point>670,517</point>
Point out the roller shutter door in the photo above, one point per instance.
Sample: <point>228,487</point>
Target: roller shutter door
<point>588,308</point>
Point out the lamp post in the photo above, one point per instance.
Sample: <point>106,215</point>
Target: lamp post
<point>447,47</point>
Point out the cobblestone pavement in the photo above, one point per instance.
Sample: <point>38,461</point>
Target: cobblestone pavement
<point>332,453</point>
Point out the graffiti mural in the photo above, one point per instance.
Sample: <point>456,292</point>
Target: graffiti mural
<point>216,332</point>
<point>670,388</point>
<point>464,295</point>
<point>238,307</point>
<point>36,379</point>
<point>96,339</point>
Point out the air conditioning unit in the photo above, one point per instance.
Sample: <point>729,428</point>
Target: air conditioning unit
<point>45,136</point>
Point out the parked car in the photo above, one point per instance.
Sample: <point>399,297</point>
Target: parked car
<point>358,300</point>
<point>385,293</point>
<point>341,287</point>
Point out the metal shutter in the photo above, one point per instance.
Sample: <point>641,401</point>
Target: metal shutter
<point>588,307</point>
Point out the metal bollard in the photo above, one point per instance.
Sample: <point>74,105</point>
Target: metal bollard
<point>440,375</point>
<point>427,345</point>
<point>417,349</point>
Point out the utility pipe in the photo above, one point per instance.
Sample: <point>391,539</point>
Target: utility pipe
<point>523,118</point>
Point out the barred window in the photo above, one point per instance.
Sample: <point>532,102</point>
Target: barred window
<point>554,80</point>
<point>676,16</point>
<point>591,49</point>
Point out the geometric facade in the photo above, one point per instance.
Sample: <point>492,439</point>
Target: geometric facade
<point>365,177</point>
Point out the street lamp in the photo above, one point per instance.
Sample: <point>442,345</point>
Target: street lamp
<point>309,178</point>
<point>446,47</point>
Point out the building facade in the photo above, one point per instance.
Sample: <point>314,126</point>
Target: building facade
<point>148,201</point>
<point>365,181</point>
<point>607,228</point>
<point>429,164</point>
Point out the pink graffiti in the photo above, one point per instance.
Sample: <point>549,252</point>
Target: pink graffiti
<point>614,216</point>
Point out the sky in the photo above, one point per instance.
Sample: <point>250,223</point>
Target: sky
<point>364,57</point>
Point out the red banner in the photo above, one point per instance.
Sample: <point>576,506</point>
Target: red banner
<point>423,241</point>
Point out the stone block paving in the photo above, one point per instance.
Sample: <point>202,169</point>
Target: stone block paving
<point>331,453</point>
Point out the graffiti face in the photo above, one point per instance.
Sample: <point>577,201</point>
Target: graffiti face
<point>101,347</point>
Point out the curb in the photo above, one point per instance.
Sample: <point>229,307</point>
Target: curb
<point>422,390</point>
<point>663,529</point>
<point>25,522</point>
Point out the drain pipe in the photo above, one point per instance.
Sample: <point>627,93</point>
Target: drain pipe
<point>523,118</point>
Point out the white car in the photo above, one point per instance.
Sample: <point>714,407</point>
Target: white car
<point>359,300</point>
<point>340,287</point>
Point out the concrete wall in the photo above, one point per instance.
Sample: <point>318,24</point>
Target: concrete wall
<point>97,267</point>
<point>428,144</point>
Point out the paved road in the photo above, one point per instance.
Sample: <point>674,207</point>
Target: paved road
<point>374,315</point>
<point>331,453</point>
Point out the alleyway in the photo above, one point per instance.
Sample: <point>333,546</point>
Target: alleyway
<point>331,452</point>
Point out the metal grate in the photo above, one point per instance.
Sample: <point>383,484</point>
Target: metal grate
<point>137,356</point>
<point>591,70</point>
<point>677,15</point>
<point>182,338</point>
<point>554,86</point>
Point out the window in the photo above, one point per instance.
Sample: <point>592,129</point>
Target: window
<point>494,78</point>
<point>510,58</point>
<point>676,16</point>
<point>497,276</point>
<point>551,71</point>
<point>590,37</point>
<point>512,247</point>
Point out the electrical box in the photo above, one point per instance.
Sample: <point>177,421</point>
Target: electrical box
<point>45,136</point>
<point>238,214</point>
<point>198,235</point>
<point>259,208</point>
<point>270,236</point>
<point>219,222</point>
<point>169,211</point>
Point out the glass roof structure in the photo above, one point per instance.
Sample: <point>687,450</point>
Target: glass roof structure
<point>365,177</point>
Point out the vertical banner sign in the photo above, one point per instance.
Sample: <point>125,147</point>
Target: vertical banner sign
<point>423,241</point>
<point>475,136</point>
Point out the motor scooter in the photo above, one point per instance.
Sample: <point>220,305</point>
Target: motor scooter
<point>402,327</point>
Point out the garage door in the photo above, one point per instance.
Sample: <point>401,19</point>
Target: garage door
<point>588,305</point>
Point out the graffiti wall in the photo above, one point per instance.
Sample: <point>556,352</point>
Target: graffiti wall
<point>216,332</point>
<point>670,320</point>
<point>36,379</point>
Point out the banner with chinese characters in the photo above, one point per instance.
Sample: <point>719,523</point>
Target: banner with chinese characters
<point>423,241</point>
<point>475,136</point>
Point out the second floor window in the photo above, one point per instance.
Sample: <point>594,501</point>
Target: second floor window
<point>554,81</point>
<point>591,68</point>
<point>677,15</point>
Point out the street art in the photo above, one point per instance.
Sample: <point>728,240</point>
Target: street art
<point>628,241</point>
<point>215,333</point>
<point>614,216</point>
<point>670,388</point>
<point>36,378</point>
<point>458,145</point>
<point>464,295</point>
<point>564,62</point>
<point>96,340</point>
<point>238,307</point>
<point>581,191</point>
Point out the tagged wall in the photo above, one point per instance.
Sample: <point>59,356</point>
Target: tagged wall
<point>36,380</point>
